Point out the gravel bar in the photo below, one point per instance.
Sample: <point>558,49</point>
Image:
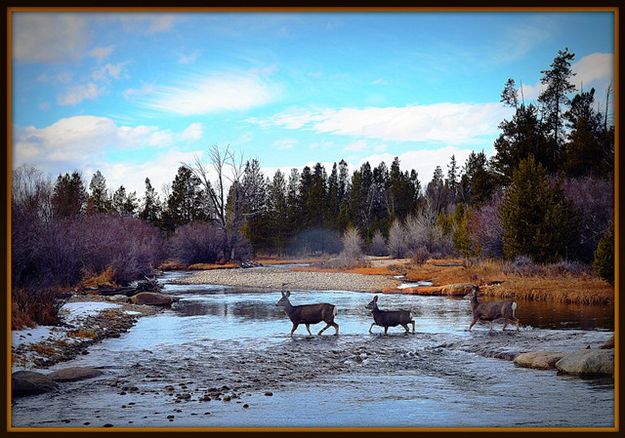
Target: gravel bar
<point>274,278</point>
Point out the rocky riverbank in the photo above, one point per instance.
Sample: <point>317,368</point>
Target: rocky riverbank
<point>85,320</point>
<point>277,278</point>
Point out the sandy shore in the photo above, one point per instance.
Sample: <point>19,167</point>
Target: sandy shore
<point>275,277</point>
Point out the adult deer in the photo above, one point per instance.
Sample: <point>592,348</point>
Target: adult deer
<point>492,311</point>
<point>309,314</point>
<point>389,318</point>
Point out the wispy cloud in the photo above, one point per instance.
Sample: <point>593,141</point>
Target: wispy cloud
<point>49,37</point>
<point>449,123</point>
<point>79,93</point>
<point>285,143</point>
<point>101,53</point>
<point>194,132</point>
<point>147,23</point>
<point>210,93</point>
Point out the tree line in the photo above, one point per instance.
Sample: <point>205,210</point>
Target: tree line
<point>545,194</point>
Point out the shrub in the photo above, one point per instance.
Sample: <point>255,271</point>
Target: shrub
<point>378,245</point>
<point>352,246</point>
<point>35,306</point>
<point>197,242</point>
<point>397,240</point>
<point>485,229</point>
<point>604,255</point>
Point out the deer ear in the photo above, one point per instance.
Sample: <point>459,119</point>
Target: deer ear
<point>288,294</point>
<point>282,293</point>
<point>375,298</point>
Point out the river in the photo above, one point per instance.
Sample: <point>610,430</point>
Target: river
<point>222,357</point>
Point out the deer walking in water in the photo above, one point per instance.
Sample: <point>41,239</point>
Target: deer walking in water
<point>492,311</point>
<point>389,318</point>
<point>309,314</point>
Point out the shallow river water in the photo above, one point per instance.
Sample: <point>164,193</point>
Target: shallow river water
<point>223,357</point>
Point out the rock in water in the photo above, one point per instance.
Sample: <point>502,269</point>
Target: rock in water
<point>74,373</point>
<point>151,298</point>
<point>608,344</point>
<point>542,360</point>
<point>25,383</point>
<point>588,363</point>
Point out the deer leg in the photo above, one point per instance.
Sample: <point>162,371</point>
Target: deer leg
<point>336,327</point>
<point>491,327</point>
<point>308,328</point>
<point>413,330</point>
<point>295,324</point>
<point>372,324</point>
<point>385,330</point>
<point>405,326</point>
<point>517,325</point>
<point>505,324</point>
<point>323,329</point>
<point>472,324</point>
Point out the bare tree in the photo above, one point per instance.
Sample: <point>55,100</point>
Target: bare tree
<point>225,195</point>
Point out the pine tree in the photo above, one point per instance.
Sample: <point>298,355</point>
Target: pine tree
<point>584,138</point>
<point>451,182</point>
<point>151,211</point>
<point>98,201</point>
<point>69,196</point>
<point>604,255</point>
<point>554,97</point>
<point>187,201</point>
<point>538,221</point>
<point>278,212</point>
<point>436,192</point>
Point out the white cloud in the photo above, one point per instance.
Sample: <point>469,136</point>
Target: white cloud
<point>205,94</point>
<point>101,53</point>
<point>49,37</point>
<point>450,123</point>
<point>594,68</point>
<point>357,146</point>
<point>188,58</point>
<point>194,132</point>
<point>80,140</point>
<point>107,72</point>
<point>380,81</point>
<point>78,93</point>
<point>145,89</point>
<point>285,144</point>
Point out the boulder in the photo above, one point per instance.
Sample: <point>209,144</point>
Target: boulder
<point>587,363</point>
<point>608,344</point>
<point>151,298</point>
<point>74,373</point>
<point>25,383</point>
<point>541,360</point>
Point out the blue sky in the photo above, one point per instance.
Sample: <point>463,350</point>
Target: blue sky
<point>136,94</point>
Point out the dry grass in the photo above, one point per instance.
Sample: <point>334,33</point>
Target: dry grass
<point>563,288</point>
<point>269,261</point>
<point>172,265</point>
<point>44,349</point>
<point>103,279</point>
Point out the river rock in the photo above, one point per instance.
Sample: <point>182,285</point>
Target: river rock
<point>151,298</point>
<point>25,383</point>
<point>608,344</point>
<point>587,363</point>
<point>74,373</point>
<point>542,360</point>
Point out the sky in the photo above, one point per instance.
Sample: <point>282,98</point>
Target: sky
<point>135,95</point>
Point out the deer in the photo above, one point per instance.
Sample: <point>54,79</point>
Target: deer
<point>492,311</point>
<point>389,318</point>
<point>308,314</point>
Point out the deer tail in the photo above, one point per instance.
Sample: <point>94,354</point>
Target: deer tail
<point>514,309</point>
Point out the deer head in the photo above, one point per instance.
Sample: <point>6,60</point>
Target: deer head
<point>284,301</point>
<point>372,303</point>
